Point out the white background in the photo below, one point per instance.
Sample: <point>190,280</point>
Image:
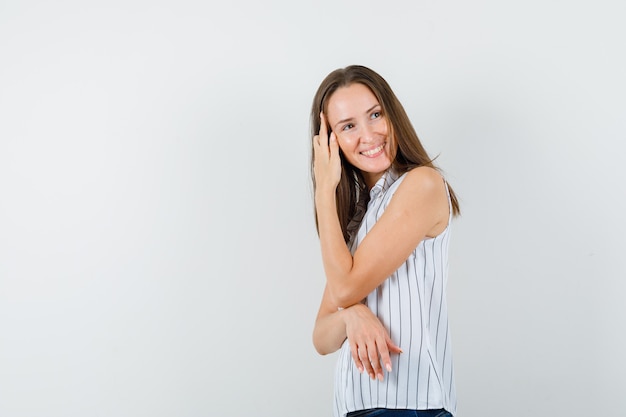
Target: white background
<point>157,248</point>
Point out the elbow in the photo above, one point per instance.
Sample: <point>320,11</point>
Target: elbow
<point>343,297</point>
<point>320,349</point>
<point>320,346</point>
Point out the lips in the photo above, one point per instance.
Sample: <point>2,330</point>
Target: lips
<point>374,151</point>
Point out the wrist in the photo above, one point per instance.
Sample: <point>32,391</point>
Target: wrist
<point>352,311</point>
<point>324,196</point>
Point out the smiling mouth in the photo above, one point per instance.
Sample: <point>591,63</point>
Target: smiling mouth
<point>373,151</point>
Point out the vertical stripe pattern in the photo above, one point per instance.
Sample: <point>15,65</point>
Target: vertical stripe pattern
<point>411,303</point>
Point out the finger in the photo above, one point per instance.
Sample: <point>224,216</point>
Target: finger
<point>365,360</point>
<point>323,130</point>
<point>319,152</point>
<point>383,348</point>
<point>374,361</point>
<point>392,346</point>
<point>332,143</point>
<point>355,357</point>
<point>316,143</point>
<point>334,148</point>
<point>376,366</point>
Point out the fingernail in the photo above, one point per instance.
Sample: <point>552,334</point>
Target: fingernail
<point>388,367</point>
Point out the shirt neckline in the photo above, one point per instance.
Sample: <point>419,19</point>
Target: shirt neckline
<point>382,185</point>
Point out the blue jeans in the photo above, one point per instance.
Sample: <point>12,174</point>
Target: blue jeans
<point>385,412</point>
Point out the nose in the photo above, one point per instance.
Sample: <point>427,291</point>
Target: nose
<point>367,133</point>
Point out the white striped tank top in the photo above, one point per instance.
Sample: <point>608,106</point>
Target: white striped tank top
<point>411,303</point>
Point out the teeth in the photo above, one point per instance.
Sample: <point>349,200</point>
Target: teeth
<point>373,151</point>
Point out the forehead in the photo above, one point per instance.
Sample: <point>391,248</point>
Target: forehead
<point>350,101</point>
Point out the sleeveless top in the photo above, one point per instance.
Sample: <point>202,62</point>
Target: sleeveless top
<point>411,303</point>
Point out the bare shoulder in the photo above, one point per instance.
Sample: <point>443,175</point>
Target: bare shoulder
<point>423,194</point>
<point>424,180</point>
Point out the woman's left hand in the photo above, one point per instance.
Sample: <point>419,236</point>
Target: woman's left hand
<point>326,160</point>
<point>370,344</point>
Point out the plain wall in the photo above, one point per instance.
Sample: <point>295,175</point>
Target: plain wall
<point>158,255</point>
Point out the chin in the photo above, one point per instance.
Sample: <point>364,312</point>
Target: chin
<point>379,167</point>
<point>375,170</point>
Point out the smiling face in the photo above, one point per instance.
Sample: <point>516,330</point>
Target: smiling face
<point>356,117</point>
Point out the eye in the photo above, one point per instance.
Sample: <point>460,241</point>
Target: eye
<point>348,126</point>
<point>376,115</point>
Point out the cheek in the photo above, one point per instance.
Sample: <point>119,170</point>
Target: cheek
<point>343,143</point>
<point>347,149</point>
<point>384,128</point>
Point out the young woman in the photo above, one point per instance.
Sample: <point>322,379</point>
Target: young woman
<point>383,215</point>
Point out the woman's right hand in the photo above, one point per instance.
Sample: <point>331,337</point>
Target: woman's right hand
<point>370,344</point>
<point>326,159</point>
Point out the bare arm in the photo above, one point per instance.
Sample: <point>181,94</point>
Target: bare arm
<point>329,332</point>
<point>370,344</point>
<point>419,209</point>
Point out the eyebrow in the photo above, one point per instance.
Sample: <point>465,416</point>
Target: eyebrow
<point>350,118</point>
